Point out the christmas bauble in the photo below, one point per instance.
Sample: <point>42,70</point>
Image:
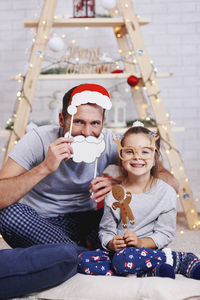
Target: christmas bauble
<point>108,4</point>
<point>56,44</point>
<point>132,80</point>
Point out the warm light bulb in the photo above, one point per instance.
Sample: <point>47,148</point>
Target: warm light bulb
<point>86,27</point>
<point>181,232</point>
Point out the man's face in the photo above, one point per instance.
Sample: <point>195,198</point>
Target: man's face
<point>88,121</point>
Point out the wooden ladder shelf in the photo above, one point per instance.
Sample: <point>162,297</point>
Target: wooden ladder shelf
<point>129,40</point>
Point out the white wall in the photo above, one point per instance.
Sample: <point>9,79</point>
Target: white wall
<point>172,40</point>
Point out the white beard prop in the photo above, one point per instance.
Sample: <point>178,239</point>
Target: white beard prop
<point>87,149</point>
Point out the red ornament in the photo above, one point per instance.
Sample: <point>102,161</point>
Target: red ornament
<point>132,80</point>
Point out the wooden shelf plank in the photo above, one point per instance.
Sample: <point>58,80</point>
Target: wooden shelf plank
<point>81,22</point>
<point>84,76</point>
<point>89,76</point>
<point>4,133</point>
<point>94,76</point>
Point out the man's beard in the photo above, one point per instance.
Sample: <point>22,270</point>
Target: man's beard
<point>87,149</point>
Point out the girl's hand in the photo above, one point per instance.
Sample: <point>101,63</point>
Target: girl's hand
<point>116,243</point>
<point>131,239</point>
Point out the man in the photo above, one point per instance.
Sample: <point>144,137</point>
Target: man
<point>57,201</point>
<point>57,193</point>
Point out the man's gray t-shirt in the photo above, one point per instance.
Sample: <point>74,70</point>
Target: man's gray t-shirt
<point>67,189</point>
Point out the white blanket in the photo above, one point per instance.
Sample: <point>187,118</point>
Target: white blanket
<point>87,287</point>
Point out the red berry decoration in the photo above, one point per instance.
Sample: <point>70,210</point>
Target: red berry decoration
<point>132,80</point>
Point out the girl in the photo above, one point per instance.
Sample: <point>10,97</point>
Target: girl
<point>139,217</point>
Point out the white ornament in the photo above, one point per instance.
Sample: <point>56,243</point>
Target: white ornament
<point>108,4</point>
<point>56,44</point>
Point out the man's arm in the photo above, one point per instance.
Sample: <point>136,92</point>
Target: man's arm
<point>15,181</point>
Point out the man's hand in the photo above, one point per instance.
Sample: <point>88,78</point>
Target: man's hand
<point>59,150</point>
<point>100,186</point>
<point>116,243</point>
<point>131,239</point>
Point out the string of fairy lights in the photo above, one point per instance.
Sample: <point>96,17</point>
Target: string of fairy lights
<point>125,58</point>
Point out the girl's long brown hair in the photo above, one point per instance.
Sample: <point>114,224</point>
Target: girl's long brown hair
<point>158,164</point>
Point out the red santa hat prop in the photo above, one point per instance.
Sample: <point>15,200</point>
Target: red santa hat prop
<point>89,93</point>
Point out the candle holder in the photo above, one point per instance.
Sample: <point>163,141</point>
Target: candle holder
<point>83,8</point>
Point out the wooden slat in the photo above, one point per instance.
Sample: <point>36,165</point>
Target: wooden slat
<point>81,22</point>
<point>4,133</point>
<point>89,76</point>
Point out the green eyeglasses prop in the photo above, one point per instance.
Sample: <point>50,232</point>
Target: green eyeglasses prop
<point>129,153</point>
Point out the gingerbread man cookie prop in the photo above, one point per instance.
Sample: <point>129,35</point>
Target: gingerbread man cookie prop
<point>123,200</point>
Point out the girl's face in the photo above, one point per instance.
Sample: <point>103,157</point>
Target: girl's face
<point>143,160</point>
